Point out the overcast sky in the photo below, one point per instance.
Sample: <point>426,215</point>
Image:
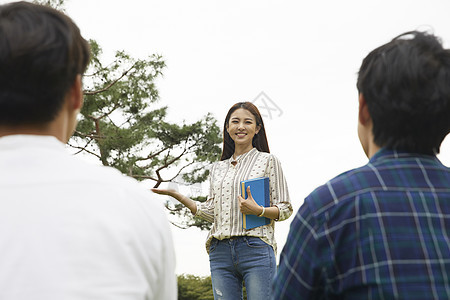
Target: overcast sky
<point>303,56</point>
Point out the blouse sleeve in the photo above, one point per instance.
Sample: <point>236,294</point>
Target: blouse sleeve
<point>279,194</point>
<point>205,210</point>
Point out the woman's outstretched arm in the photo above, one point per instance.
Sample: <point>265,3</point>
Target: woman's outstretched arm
<point>189,203</point>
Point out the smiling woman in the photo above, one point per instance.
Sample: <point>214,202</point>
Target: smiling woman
<point>243,129</point>
<point>238,255</point>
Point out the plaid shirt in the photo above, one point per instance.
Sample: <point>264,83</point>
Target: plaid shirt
<point>381,231</point>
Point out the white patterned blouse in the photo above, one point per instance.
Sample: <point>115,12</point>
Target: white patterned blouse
<point>222,206</point>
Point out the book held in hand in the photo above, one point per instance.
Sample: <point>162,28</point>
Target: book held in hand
<point>259,188</point>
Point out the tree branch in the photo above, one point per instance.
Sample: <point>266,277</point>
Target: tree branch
<point>179,226</point>
<point>85,146</point>
<point>84,149</point>
<point>179,172</point>
<point>101,69</point>
<point>180,208</point>
<point>91,135</point>
<point>106,114</point>
<point>166,164</point>
<point>145,177</point>
<point>111,84</point>
<point>150,156</point>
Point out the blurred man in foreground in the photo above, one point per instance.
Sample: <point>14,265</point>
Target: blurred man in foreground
<point>68,230</point>
<point>382,231</point>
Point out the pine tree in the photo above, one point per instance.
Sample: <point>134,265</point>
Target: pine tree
<point>122,125</point>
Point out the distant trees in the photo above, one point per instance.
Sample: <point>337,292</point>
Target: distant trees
<point>58,4</point>
<point>192,287</point>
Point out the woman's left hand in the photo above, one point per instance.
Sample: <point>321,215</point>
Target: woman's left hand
<point>249,206</point>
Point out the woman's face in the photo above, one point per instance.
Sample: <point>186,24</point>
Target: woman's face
<point>242,127</point>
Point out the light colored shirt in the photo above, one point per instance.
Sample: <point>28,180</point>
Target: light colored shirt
<point>222,206</point>
<point>70,230</point>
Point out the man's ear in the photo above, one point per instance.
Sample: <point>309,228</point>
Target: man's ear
<point>363,112</point>
<point>76,94</point>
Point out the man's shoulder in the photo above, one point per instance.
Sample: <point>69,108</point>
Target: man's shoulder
<point>102,173</point>
<point>93,174</point>
<point>346,185</point>
<point>386,171</point>
<point>108,186</point>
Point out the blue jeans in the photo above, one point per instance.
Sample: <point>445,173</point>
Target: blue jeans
<point>241,259</point>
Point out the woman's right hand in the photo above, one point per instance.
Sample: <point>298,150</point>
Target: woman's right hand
<point>168,192</point>
<point>183,199</point>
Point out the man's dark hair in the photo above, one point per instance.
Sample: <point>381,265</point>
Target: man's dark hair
<point>406,84</point>
<point>41,53</point>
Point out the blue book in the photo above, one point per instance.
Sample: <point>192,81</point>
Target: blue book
<point>259,188</point>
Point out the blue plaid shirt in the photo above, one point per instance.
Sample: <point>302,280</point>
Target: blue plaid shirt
<point>381,231</point>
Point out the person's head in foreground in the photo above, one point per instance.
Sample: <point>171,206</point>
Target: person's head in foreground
<point>405,85</point>
<point>69,229</point>
<point>42,59</point>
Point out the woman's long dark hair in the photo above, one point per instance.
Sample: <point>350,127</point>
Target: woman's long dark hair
<point>259,140</point>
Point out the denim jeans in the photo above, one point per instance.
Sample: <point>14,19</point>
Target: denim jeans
<point>241,259</point>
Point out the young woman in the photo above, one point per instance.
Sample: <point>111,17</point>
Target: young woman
<point>238,255</point>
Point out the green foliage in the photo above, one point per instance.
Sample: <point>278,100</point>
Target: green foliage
<point>192,287</point>
<point>57,4</point>
<point>185,219</point>
<point>122,125</point>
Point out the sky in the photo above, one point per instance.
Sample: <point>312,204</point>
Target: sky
<point>299,58</point>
